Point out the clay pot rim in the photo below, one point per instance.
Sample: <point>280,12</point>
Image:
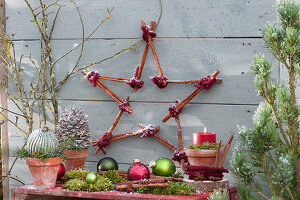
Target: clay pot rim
<point>43,162</point>
<point>76,154</point>
<point>202,150</point>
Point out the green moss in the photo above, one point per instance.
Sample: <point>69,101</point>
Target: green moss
<point>74,174</point>
<point>177,175</point>
<point>114,177</point>
<point>174,188</point>
<point>205,145</point>
<point>102,184</point>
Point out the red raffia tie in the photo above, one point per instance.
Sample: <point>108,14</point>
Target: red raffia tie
<point>122,106</point>
<point>147,32</point>
<point>149,131</point>
<point>205,83</point>
<point>179,155</point>
<point>173,109</point>
<point>134,82</point>
<point>207,172</point>
<point>159,81</point>
<point>93,76</point>
<point>104,141</point>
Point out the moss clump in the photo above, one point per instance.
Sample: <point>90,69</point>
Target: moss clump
<point>174,188</point>
<point>177,175</point>
<point>114,177</point>
<point>102,184</point>
<point>74,174</point>
<point>205,145</point>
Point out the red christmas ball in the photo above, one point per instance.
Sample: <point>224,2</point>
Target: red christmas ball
<point>61,172</point>
<point>138,171</point>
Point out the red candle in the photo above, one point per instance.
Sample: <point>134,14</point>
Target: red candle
<point>199,138</point>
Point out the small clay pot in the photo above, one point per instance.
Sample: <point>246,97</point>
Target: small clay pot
<point>44,172</point>
<point>201,157</point>
<point>75,158</point>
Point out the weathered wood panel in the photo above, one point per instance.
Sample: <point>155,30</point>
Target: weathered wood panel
<point>187,48</point>
<point>231,56</point>
<point>190,18</point>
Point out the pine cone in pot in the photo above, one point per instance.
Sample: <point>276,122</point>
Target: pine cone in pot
<point>73,125</point>
<point>73,130</point>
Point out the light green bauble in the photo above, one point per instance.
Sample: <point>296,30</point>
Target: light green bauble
<point>91,178</point>
<point>42,140</point>
<point>163,167</point>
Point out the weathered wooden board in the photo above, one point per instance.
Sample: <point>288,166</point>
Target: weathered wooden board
<point>231,56</point>
<point>190,18</point>
<point>189,46</point>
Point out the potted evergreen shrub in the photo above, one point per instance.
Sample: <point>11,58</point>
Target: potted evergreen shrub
<point>73,130</point>
<point>43,157</point>
<point>264,161</point>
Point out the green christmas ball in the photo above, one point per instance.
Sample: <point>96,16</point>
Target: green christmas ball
<point>91,178</point>
<point>106,164</point>
<point>163,167</point>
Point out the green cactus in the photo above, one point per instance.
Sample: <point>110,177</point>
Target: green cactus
<point>42,139</point>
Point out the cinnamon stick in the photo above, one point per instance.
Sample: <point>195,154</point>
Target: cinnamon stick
<point>152,28</point>
<point>130,134</point>
<point>106,90</point>
<point>218,153</point>
<point>113,78</point>
<point>225,151</point>
<point>154,53</point>
<point>180,141</point>
<point>117,119</point>
<point>143,182</point>
<point>167,178</point>
<point>189,81</point>
<point>181,104</point>
<point>164,142</point>
<point>161,140</point>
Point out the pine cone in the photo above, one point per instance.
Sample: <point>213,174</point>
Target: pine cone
<point>73,120</point>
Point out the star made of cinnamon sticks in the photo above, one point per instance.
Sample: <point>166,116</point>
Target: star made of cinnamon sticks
<point>198,176</point>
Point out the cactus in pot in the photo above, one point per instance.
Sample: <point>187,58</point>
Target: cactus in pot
<point>43,157</point>
<point>42,140</point>
<point>74,131</point>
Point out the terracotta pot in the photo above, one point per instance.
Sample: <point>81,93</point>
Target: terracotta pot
<point>44,172</point>
<point>201,157</point>
<point>75,158</point>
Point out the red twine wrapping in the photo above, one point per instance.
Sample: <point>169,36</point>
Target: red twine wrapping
<point>122,106</point>
<point>179,155</point>
<point>104,141</point>
<point>159,81</point>
<point>147,32</point>
<point>93,76</point>
<point>134,82</point>
<point>173,109</point>
<point>208,173</point>
<point>149,131</point>
<point>205,82</point>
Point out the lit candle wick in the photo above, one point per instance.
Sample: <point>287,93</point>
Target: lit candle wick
<point>204,129</point>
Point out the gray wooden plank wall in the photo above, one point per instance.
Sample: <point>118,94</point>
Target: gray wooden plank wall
<point>194,38</point>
